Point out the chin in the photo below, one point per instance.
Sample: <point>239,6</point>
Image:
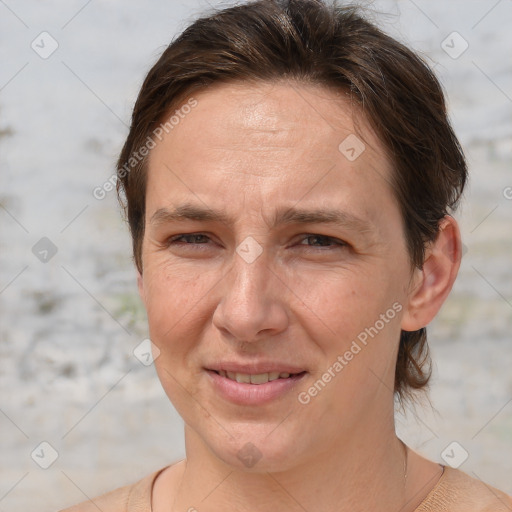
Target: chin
<point>255,451</point>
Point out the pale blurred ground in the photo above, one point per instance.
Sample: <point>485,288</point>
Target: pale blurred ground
<point>68,327</point>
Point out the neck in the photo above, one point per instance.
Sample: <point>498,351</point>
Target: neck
<point>365,472</point>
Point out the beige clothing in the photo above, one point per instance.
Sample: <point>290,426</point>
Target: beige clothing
<point>454,492</point>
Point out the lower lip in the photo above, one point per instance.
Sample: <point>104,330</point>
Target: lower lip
<point>242,393</point>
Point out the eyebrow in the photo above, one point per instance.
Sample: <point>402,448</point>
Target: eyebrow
<point>287,215</point>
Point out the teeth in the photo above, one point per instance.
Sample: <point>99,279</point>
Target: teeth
<point>260,378</point>
<point>243,377</point>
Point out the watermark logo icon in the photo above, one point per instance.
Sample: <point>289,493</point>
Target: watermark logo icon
<point>249,250</point>
<point>351,147</point>
<point>44,455</point>
<point>249,455</point>
<point>454,454</point>
<point>146,352</point>
<point>454,45</point>
<point>44,250</point>
<point>44,45</point>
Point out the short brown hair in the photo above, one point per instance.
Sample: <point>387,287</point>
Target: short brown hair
<point>334,46</point>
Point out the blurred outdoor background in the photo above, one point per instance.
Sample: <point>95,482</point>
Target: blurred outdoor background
<point>70,316</point>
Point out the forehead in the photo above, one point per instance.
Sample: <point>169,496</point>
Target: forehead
<point>263,116</point>
<point>274,141</point>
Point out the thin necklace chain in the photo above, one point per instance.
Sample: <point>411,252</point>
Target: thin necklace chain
<point>405,473</point>
<point>405,460</point>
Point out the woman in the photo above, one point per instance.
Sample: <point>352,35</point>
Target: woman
<point>288,178</point>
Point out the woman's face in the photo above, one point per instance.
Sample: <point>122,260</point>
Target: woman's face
<point>273,245</point>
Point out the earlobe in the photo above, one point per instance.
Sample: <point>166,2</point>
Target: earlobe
<point>431,285</point>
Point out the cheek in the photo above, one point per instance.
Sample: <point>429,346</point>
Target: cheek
<point>347,301</point>
<point>358,320</point>
<point>175,301</point>
<point>171,285</point>
<point>177,309</point>
<point>362,330</point>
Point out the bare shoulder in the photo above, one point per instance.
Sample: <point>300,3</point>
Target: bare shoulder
<point>460,492</point>
<point>135,497</point>
<point>113,501</point>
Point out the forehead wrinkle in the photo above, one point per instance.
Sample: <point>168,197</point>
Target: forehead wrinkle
<point>281,216</point>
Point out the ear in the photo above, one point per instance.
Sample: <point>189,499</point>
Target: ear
<point>431,285</point>
<point>140,286</point>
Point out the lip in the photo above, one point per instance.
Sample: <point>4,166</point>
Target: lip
<point>255,368</point>
<point>242,393</point>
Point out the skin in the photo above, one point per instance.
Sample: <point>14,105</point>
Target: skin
<point>248,150</point>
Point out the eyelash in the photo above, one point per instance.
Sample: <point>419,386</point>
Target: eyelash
<point>335,241</point>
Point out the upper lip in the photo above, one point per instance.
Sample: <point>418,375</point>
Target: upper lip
<point>255,368</point>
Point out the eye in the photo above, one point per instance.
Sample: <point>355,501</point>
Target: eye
<point>322,241</point>
<point>192,245</point>
<point>313,241</point>
<point>188,239</point>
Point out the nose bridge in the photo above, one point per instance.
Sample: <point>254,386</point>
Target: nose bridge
<point>249,284</point>
<point>249,304</point>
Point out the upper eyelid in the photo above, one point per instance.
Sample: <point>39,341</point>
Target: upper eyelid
<point>302,235</point>
<point>181,235</point>
<point>329,237</point>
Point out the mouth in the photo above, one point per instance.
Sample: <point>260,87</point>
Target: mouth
<point>257,378</point>
<point>250,388</point>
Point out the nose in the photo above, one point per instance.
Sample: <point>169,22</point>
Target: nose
<point>252,304</point>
